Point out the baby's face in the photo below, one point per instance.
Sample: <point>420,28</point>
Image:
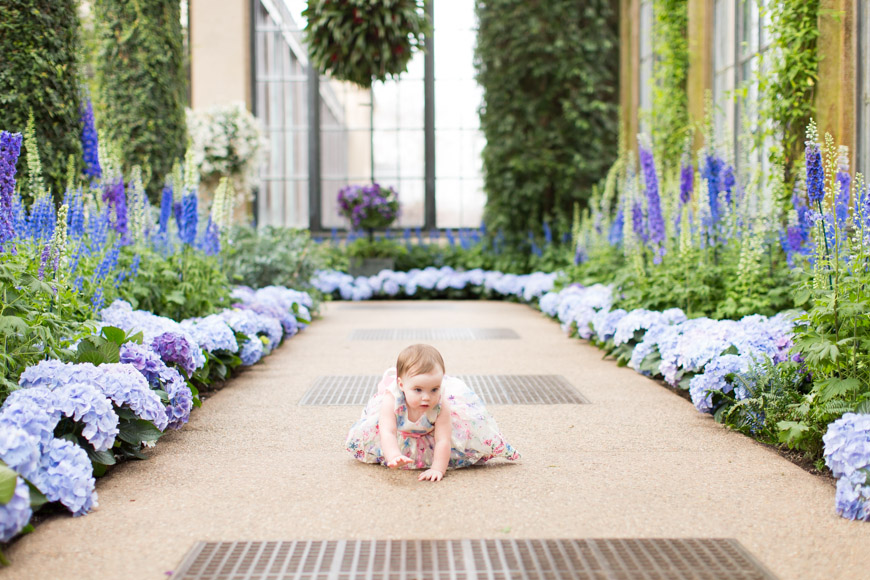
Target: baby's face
<point>422,391</point>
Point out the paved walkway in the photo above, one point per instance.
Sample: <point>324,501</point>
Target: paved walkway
<point>637,462</point>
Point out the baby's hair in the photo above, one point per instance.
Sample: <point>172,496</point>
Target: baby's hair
<point>418,359</point>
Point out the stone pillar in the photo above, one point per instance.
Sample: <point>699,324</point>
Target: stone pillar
<point>629,60</point>
<point>700,74</point>
<point>220,52</point>
<point>837,90</point>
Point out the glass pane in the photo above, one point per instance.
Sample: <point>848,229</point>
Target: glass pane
<point>411,200</point>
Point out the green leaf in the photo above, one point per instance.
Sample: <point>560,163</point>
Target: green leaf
<point>13,325</point>
<point>114,334</point>
<point>8,481</point>
<point>135,432</point>
<point>37,498</point>
<point>864,407</point>
<point>791,432</point>
<point>830,388</point>
<point>100,457</point>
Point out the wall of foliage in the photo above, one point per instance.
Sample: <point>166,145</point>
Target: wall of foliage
<point>142,84</point>
<point>39,41</point>
<point>550,115</point>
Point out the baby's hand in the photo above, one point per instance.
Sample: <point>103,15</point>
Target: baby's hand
<point>431,475</point>
<point>399,461</point>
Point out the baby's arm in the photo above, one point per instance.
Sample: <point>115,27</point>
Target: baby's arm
<point>443,435</point>
<point>387,431</point>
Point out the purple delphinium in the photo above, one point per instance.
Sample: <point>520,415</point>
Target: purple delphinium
<point>815,173</point>
<point>711,172</point>
<point>638,222</point>
<point>115,196</point>
<point>841,208</point>
<point>653,206</point>
<point>15,513</point>
<point>43,260</point>
<point>615,234</point>
<point>687,182</point>
<point>187,218</point>
<point>10,148</point>
<point>211,241</point>
<point>90,142</point>
<point>165,209</point>
<point>728,183</point>
<point>75,220</point>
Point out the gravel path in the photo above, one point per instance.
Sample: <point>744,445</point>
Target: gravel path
<point>637,462</point>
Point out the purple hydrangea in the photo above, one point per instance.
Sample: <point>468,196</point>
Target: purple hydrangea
<point>84,403</point>
<point>175,348</point>
<point>147,362</point>
<point>65,474</point>
<point>15,513</point>
<point>180,401</point>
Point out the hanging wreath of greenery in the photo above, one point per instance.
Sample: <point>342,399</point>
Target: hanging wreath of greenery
<point>364,40</point>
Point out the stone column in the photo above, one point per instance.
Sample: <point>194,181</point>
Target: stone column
<point>700,75</point>
<point>220,52</point>
<point>629,55</point>
<point>837,91</point>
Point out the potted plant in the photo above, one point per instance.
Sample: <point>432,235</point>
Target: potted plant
<point>370,208</point>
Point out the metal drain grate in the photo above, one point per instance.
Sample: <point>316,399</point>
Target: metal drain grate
<point>492,389</point>
<point>604,559</point>
<point>433,334</point>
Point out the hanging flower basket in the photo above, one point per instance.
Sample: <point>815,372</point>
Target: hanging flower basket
<point>361,41</point>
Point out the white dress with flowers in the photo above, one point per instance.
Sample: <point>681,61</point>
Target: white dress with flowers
<point>476,437</point>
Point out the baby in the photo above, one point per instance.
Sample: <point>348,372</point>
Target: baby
<point>421,418</point>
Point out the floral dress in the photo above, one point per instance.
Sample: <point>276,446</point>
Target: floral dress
<point>476,437</point>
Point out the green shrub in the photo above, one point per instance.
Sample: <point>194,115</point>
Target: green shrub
<point>39,40</point>
<point>550,108</point>
<point>142,84</point>
<point>273,256</point>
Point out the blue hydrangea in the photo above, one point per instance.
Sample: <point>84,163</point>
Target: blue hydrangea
<point>252,324</point>
<point>847,446</point>
<point>212,333</point>
<point>47,373</point>
<point>65,474</point>
<point>713,379</point>
<point>853,500</point>
<point>121,315</point>
<point>549,303</point>
<point>32,410</point>
<point>604,322</point>
<point>15,514</point>
<point>18,449</point>
<point>127,387</point>
<point>84,403</point>
<point>252,351</point>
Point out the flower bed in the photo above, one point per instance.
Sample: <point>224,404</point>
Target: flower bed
<point>69,421</point>
<point>709,358</point>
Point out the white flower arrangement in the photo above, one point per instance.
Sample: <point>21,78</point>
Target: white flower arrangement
<point>227,140</point>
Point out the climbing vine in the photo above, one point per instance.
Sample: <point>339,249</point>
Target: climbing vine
<point>787,86</point>
<point>670,118</point>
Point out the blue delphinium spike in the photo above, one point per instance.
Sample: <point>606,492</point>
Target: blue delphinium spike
<point>10,149</point>
<point>90,142</point>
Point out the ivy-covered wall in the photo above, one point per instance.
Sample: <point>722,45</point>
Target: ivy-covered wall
<point>549,72</point>
<point>142,84</point>
<point>670,121</point>
<point>39,40</point>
